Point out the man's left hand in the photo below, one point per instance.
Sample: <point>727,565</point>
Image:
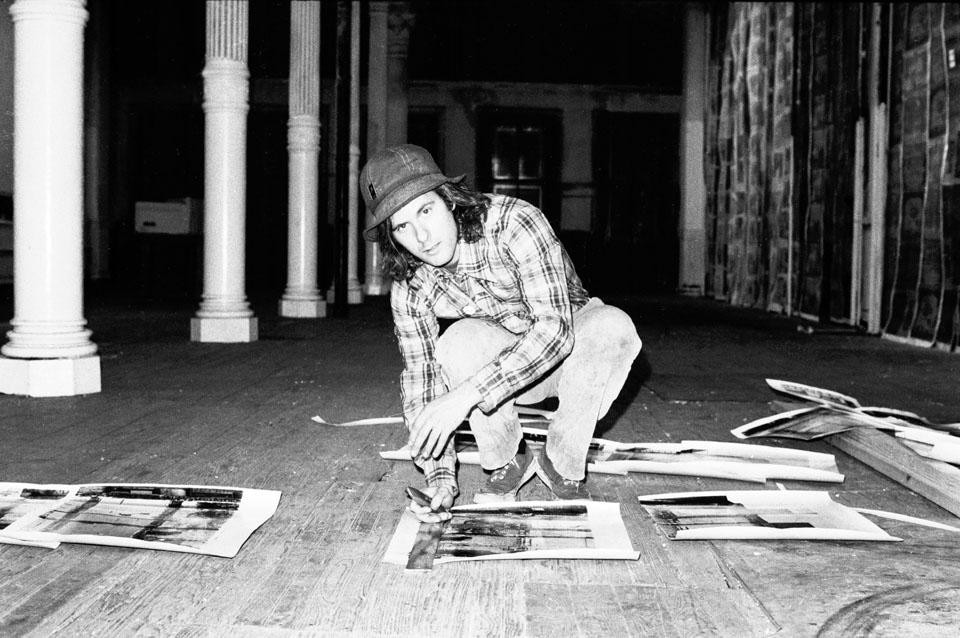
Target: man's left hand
<point>441,500</point>
<point>430,430</point>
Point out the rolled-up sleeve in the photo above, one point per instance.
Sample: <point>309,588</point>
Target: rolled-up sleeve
<point>421,381</point>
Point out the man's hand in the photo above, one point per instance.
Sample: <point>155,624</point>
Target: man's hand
<point>441,500</point>
<point>430,430</point>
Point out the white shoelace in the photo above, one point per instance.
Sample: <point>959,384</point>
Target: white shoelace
<point>500,473</point>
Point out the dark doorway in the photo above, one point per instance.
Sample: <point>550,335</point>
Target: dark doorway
<point>634,245</point>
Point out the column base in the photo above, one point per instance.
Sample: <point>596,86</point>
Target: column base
<point>223,330</point>
<point>355,296</point>
<point>50,377</point>
<point>303,308</point>
<point>376,288</point>
<point>690,290</point>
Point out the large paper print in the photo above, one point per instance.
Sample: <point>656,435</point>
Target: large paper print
<point>22,499</point>
<point>520,530</point>
<point>181,518</point>
<point>758,515</point>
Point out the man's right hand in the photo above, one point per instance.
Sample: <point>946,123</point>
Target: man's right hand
<point>441,500</point>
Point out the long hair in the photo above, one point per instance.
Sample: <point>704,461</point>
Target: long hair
<point>469,211</point>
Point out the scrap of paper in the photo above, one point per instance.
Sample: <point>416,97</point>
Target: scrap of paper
<point>833,413</point>
<point>527,415</point>
<point>713,459</point>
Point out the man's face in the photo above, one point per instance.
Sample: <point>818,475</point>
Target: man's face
<point>427,229</point>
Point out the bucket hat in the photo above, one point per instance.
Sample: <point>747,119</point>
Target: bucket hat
<point>396,176</point>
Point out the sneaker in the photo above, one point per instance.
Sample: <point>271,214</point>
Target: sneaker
<point>563,488</point>
<point>503,483</point>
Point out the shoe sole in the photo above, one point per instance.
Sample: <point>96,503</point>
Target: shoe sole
<point>481,498</point>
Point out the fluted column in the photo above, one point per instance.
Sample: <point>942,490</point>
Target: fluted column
<point>374,281</point>
<point>354,289</point>
<point>400,22</point>
<point>693,188</point>
<point>301,298</point>
<point>49,352</point>
<point>224,314</point>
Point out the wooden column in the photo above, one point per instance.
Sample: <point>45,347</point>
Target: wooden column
<point>97,132</point>
<point>354,289</point>
<point>224,314</point>
<point>693,189</point>
<point>374,281</point>
<point>301,297</point>
<point>337,294</point>
<point>49,352</point>
<point>874,216</point>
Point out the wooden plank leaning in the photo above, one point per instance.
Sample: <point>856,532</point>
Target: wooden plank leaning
<point>934,480</point>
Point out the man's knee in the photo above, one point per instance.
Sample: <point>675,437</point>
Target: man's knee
<point>624,332</point>
<point>469,344</point>
<point>614,330</point>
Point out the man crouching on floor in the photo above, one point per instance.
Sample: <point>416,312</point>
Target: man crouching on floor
<point>526,330</point>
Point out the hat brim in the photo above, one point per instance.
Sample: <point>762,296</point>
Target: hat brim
<point>403,196</point>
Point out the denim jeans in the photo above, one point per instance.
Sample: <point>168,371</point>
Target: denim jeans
<point>586,383</point>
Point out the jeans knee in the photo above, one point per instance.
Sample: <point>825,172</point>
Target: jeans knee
<point>467,345</point>
<point>616,330</point>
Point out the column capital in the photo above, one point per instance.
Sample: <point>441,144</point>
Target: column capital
<point>400,21</point>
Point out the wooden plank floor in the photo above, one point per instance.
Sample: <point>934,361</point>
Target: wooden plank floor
<point>175,411</point>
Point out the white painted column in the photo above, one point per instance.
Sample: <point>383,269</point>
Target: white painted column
<point>374,281</point>
<point>692,230</point>
<point>400,22</point>
<point>49,352</point>
<point>354,289</point>
<point>224,314</point>
<point>301,298</point>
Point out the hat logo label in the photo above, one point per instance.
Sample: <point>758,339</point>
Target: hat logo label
<point>373,193</point>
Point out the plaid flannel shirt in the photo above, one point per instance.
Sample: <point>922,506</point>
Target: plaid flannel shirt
<point>517,275</point>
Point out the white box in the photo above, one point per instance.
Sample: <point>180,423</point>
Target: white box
<point>176,217</point>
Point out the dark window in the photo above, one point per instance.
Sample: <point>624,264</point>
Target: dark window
<point>518,154</point>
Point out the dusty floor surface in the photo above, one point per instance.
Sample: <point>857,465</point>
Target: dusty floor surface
<point>179,412</point>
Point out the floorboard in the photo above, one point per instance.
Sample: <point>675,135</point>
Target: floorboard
<point>240,414</point>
